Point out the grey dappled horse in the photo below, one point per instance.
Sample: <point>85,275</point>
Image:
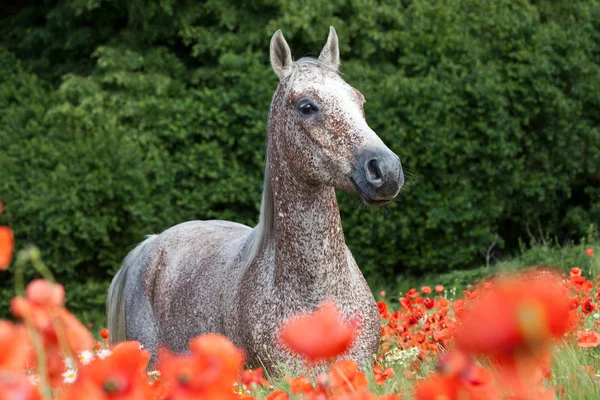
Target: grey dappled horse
<point>223,277</point>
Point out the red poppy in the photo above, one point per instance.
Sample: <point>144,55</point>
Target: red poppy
<point>589,252</point>
<point>320,335</point>
<point>426,290</point>
<point>13,345</point>
<point>215,348</point>
<point>45,293</point>
<point>120,375</point>
<point>381,375</point>
<point>439,288</point>
<point>382,293</point>
<point>428,303</point>
<point>277,395</point>
<point>474,383</point>
<point>209,372</point>
<point>300,385</point>
<point>253,378</point>
<point>345,377</point>
<point>7,244</point>
<point>382,307</point>
<point>523,310</point>
<point>587,306</point>
<point>588,339</point>
<point>104,333</point>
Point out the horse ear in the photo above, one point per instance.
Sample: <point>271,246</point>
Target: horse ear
<point>281,56</point>
<point>331,52</point>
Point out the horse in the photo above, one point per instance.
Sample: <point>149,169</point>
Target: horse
<point>223,277</point>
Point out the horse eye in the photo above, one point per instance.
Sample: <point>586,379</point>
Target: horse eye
<point>307,108</point>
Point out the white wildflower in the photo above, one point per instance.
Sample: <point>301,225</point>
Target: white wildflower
<point>85,357</point>
<point>397,356</point>
<point>69,376</point>
<point>596,315</point>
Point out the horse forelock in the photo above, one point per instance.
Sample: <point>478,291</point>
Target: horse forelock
<point>303,67</point>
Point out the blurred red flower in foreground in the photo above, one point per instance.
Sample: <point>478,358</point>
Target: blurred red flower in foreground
<point>7,244</point>
<point>18,387</point>
<point>209,372</point>
<point>13,345</point>
<point>521,312</point>
<point>320,335</point>
<point>120,375</point>
<point>458,378</point>
<point>588,339</point>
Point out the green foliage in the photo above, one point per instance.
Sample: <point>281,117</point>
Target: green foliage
<point>121,119</point>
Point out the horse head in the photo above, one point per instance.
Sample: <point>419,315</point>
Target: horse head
<point>318,126</point>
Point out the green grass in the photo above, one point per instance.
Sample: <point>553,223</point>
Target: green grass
<point>546,253</point>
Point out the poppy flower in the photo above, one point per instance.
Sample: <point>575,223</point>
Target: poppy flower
<point>277,395</point>
<point>300,385</point>
<point>120,375</point>
<point>587,306</point>
<point>320,335</point>
<point>345,377</point>
<point>7,244</point>
<point>426,290</point>
<point>428,303</point>
<point>13,345</point>
<point>588,339</point>
<point>215,348</point>
<point>45,293</point>
<point>382,307</point>
<point>187,377</point>
<point>518,312</point>
<point>439,288</point>
<point>473,384</point>
<point>253,378</point>
<point>381,375</point>
<point>589,252</point>
<point>209,372</point>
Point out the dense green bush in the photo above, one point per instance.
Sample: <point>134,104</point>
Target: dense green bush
<point>120,119</point>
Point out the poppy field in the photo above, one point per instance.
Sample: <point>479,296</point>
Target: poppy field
<point>532,334</point>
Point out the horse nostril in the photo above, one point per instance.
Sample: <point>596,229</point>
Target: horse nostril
<point>374,173</point>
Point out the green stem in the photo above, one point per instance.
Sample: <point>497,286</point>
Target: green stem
<point>45,388</point>
<point>40,266</point>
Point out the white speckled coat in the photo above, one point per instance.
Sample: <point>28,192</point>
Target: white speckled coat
<point>217,276</point>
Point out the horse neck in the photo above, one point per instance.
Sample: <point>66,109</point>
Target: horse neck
<point>310,252</point>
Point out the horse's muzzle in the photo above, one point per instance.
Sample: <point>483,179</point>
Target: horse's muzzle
<point>377,176</point>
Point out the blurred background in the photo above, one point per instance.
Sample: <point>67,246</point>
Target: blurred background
<point>123,118</point>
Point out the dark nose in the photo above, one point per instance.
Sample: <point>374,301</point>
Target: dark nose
<point>377,175</point>
<point>384,172</point>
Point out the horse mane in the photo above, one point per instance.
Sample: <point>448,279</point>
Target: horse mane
<point>264,227</point>
<point>265,221</point>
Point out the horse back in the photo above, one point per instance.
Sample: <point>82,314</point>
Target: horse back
<point>183,279</point>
